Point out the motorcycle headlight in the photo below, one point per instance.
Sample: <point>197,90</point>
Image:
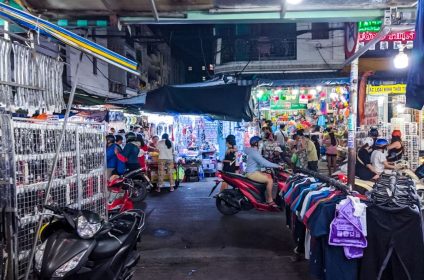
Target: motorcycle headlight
<point>38,258</point>
<point>69,265</point>
<point>87,229</point>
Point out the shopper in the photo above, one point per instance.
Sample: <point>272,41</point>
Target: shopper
<point>153,145</point>
<point>143,150</point>
<point>378,157</point>
<point>312,154</point>
<point>363,168</point>
<point>395,149</point>
<point>330,143</point>
<point>270,148</point>
<point>230,159</point>
<point>112,159</point>
<point>130,153</point>
<point>112,131</point>
<point>253,168</point>
<point>281,136</point>
<point>166,160</point>
<point>119,140</point>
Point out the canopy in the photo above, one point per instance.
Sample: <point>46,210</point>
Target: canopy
<point>415,82</point>
<point>40,25</point>
<point>224,102</point>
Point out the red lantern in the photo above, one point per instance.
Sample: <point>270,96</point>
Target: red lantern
<point>310,96</point>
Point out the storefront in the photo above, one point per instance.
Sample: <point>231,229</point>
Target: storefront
<point>309,107</point>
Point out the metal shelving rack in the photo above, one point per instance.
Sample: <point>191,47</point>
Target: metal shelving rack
<point>79,181</point>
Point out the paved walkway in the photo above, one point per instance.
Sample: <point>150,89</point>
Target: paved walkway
<point>187,238</point>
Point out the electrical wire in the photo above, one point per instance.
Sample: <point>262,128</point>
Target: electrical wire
<point>203,55</point>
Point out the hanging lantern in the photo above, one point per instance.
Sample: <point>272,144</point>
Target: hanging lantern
<point>310,96</point>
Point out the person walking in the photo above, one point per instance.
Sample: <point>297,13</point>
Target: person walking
<point>330,143</point>
<point>166,160</point>
<point>281,136</point>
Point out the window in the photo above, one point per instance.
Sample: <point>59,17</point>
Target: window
<point>320,31</point>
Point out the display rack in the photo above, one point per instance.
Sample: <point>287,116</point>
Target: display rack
<point>79,181</point>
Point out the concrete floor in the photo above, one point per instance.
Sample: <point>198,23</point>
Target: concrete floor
<point>187,238</point>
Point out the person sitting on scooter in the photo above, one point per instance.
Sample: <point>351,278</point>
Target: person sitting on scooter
<point>395,149</point>
<point>364,169</point>
<point>378,157</point>
<point>130,153</point>
<point>112,159</point>
<point>373,133</point>
<point>255,161</point>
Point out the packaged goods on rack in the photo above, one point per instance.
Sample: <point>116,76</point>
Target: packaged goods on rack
<point>79,180</point>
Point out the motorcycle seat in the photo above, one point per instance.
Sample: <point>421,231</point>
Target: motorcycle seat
<point>107,245</point>
<point>258,185</point>
<point>132,173</point>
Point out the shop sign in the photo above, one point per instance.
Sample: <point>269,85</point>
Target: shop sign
<point>351,38</point>
<point>386,89</point>
<point>288,106</point>
<point>371,113</point>
<point>399,36</point>
<point>370,25</point>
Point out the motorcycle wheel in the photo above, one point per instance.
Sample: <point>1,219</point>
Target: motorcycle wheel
<point>223,206</point>
<point>139,192</point>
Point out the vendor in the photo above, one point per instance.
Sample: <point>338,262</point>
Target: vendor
<point>395,149</point>
<point>153,145</point>
<point>363,168</point>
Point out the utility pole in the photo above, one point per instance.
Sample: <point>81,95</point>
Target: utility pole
<point>351,141</point>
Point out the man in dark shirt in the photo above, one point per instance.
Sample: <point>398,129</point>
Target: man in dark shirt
<point>364,169</point>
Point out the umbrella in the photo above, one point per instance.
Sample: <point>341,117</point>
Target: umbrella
<point>415,82</point>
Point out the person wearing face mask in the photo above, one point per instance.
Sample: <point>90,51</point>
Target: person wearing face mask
<point>363,168</point>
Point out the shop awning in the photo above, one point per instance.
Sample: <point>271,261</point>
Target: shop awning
<point>135,101</point>
<point>43,26</point>
<point>302,79</point>
<point>222,102</point>
<point>415,82</point>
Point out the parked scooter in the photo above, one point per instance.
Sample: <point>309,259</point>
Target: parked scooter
<point>246,194</point>
<point>137,181</point>
<point>80,245</point>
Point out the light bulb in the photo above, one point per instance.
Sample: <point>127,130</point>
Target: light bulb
<point>401,60</point>
<point>400,108</point>
<point>259,93</point>
<point>293,2</point>
<point>319,88</point>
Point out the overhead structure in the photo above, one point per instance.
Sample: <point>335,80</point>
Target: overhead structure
<point>222,102</point>
<point>43,26</point>
<point>218,11</point>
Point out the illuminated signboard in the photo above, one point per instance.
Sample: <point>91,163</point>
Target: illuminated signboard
<point>399,36</point>
<point>369,26</point>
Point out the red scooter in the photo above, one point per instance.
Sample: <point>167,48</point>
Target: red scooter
<point>246,194</point>
<point>119,199</point>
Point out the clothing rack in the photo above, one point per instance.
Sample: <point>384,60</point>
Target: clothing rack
<point>333,182</point>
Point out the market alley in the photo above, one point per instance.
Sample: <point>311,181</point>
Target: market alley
<point>187,238</point>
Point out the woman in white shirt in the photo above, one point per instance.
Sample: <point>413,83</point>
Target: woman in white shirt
<point>166,160</point>
<point>378,157</point>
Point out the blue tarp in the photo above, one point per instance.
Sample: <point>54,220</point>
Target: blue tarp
<point>415,82</point>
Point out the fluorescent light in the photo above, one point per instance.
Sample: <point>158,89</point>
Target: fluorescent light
<point>293,2</point>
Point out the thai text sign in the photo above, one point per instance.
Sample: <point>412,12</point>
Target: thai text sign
<point>386,89</point>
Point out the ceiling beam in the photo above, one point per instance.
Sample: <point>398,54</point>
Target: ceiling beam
<point>200,17</point>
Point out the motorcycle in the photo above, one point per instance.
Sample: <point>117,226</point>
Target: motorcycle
<point>119,199</point>
<point>80,245</point>
<point>137,181</point>
<point>246,194</point>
